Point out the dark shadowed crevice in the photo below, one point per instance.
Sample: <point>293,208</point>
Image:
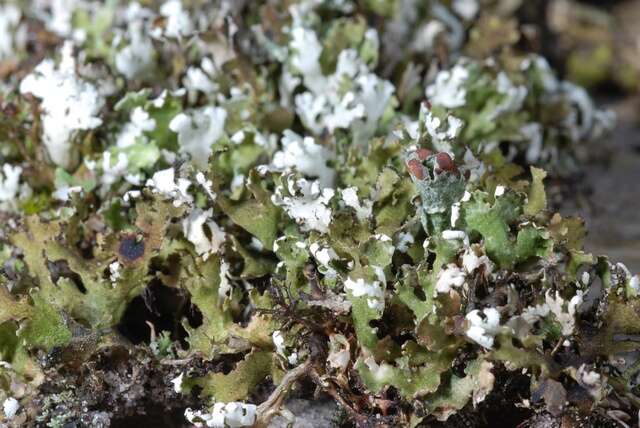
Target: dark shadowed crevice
<point>155,416</point>
<point>162,306</point>
<point>60,269</point>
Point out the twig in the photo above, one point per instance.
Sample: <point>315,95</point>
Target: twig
<point>174,362</point>
<point>353,414</point>
<point>271,407</point>
<point>555,348</point>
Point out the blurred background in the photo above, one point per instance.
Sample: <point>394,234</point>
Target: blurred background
<point>596,44</point>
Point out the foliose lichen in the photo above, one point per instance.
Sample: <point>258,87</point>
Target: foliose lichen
<point>289,190</point>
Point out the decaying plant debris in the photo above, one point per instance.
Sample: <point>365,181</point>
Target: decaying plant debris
<point>209,207</point>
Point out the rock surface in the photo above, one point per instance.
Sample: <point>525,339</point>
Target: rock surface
<point>308,414</point>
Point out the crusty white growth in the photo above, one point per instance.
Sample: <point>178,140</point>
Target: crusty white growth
<point>112,172</point>
<point>347,110</point>
<point>473,258</point>
<point>586,377</point>
<point>198,131</point>
<point>592,381</point>
<point>197,417</point>
<point>482,330</point>
<point>425,38</point>
<point>474,167</point>
<point>224,415</point>
<point>404,240</point>
<point>566,318</point>
<point>349,65</point>
<point>64,193</point>
<point>206,185</point>
<point>225,284</point>
<point>371,290</point>
<point>453,235</point>
<point>532,314</point>
<point>201,78</point>
<point>276,244</point>
<point>164,182</point>
<point>448,89</point>
<point>160,100</point>
<point>177,383</point>
<point>10,406</point>
<point>193,229</point>
<point>114,271</point>
<point>237,182</point>
<point>131,194</point>
<point>305,57</point>
<point>318,112</point>
<point>411,127</point>
<point>278,342</point>
<point>455,214</point>
<point>585,278</point>
<point>57,15</point>
<point>307,205</point>
<point>467,9</point>
<point>449,277</point>
<point>375,94</point>
<point>136,59</point>
<point>514,96</point>
<point>305,156</point>
<point>563,311</point>
<point>382,237</point>
<point>499,191</point>
<point>135,12</point>
<point>322,254</point>
<point>238,137</point>
<point>236,414</point>
<point>350,199</point>
<point>139,123</point>
<point>9,183</point>
<point>439,131</point>
<point>328,104</point>
<point>69,104</point>
<point>178,22</point>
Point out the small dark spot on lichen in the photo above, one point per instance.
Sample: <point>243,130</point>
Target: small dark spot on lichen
<point>131,248</point>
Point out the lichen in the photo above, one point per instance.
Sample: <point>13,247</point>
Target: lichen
<point>207,203</point>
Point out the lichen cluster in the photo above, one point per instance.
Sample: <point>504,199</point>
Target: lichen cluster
<point>343,193</point>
